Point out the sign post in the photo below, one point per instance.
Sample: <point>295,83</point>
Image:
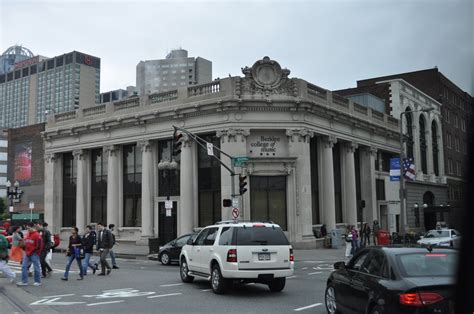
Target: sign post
<point>32,205</point>
<point>168,207</point>
<point>239,161</point>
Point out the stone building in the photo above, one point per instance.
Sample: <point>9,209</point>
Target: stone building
<point>311,158</point>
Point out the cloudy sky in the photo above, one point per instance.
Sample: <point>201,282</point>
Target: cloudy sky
<point>329,43</point>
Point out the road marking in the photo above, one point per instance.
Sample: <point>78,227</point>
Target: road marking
<point>58,296</point>
<point>291,277</point>
<point>315,273</point>
<point>164,295</point>
<point>172,285</point>
<point>307,307</point>
<point>109,302</point>
<point>304,268</point>
<point>206,290</point>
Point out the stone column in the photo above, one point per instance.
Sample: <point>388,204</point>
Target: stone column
<point>429,152</point>
<point>147,188</point>
<point>234,143</point>
<point>367,184</point>
<point>53,189</point>
<point>327,186</point>
<point>299,146</point>
<point>111,152</point>
<point>186,214</point>
<point>81,191</point>
<point>350,197</point>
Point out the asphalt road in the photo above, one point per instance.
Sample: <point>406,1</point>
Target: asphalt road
<point>143,286</point>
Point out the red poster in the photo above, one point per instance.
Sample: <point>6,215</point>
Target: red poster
<point>23,163</point>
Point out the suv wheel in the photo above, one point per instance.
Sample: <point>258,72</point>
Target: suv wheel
<point>218,283</point>
<point>165,258</point>
<point>277,284</point>
<point>183,271</point>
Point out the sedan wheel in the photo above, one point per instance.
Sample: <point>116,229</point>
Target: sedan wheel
<point>165,258</point>
<point>330,300</point>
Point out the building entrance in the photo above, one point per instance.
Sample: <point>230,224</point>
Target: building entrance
<point>268,199</point>
<point>167,225</point>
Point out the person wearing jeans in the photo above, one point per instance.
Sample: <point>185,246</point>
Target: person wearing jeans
<point>73,253</point>
<point>32,249</point>
<point>88,241</point>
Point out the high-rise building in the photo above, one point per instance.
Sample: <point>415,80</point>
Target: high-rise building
<point>177,70</point>
<point>13,55</point>
<point>38,85</point>
<point>118,94</point>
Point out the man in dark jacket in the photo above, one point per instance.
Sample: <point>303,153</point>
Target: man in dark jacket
<point>112,253</point>
<point>104,244</point>
<point>88,242</point>
<point>47,245</point>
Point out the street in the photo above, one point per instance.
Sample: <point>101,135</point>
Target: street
<point>144,286</point>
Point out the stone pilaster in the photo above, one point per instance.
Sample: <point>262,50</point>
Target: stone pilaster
<point>112,151</point>
<point>367,184</point>
<point>81,189</point>
<point>326,144</point>
<point>53,191</point>
<point>350,197</point>
<point>299,146</point>
<point>147,188</point>
<point>186,214</point>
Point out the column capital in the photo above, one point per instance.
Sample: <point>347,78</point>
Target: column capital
<point>373,151</point>
<point>145,145</point>
<point>329,141</point>
<point>232,133</point>
<point>110,150</point>
<point>51,157</point>
<point>351,147</point>
<point>300,135</point>
<point>79,154</point>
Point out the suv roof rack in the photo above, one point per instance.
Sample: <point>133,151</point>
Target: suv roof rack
<point>225,222</point>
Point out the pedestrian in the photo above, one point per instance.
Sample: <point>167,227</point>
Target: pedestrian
<point>88,242</point>
<point>4,268</point>
<point>111,252</point>
<point>16,252</point>
<point>355,240</point>
<point>375,231</point>
<point>33,245</point>
<point>104,244</point>
<point>74,253</point>
<point>366,234</point>
<point>348,242</point>
<point>47,245</point>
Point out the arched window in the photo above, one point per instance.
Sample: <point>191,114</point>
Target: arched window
<point>422,145</point>
<point>429,198</point>
<point>409,134</point>
<point>434,142</point>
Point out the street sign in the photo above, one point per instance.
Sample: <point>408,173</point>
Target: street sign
<point>239,161</point>
<point>235,202</point>
<point>210,149</point>
<point>168,204</point>
<point>394,169</point>
<point>11,209</point>
<point>32,205</point>
<point>235,213</point>
<point>168,212</point>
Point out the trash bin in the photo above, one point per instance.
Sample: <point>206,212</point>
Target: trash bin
<point>336,238</point>
<point>153,245</point>
<point>383,237</point>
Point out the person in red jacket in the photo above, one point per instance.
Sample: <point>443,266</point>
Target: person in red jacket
<point>33,246</point>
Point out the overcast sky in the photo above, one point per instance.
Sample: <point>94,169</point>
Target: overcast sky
<point>329,43</point>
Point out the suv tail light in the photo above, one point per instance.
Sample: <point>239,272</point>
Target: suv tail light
<point>232,256</point>
<point>420,299</point>
<point>292,257</point>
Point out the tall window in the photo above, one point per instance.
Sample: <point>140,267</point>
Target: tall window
<point>423,145</point>
<point>132,186</point>
<point>167,184</point>
<point>409,134</point>
<point>209,186</point>
<point>314,181</point>
<point>434,141</point>
<point>69,190</point>
<point>98,186</point>
<point>268,199</point>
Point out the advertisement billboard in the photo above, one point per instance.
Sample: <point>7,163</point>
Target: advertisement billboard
<point>22,170</point>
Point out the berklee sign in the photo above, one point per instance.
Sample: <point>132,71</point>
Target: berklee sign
<point>267,144</point>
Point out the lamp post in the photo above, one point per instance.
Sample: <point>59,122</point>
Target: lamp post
<point>13,194</point>
<point>402,192</point>
<point>167,166</point>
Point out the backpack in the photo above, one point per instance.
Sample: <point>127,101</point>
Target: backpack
<point>57,241</point>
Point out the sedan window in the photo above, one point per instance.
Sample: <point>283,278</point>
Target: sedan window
<point>375,264</point>
<point>359,262</point>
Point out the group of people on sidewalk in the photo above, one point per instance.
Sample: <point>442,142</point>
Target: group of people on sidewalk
<point>33,247</point>
<point>356,240</point>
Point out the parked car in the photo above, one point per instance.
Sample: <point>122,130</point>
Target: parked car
<point>394,279</point>
<point>441,237</point>
<point>240,252</point>
<point>169,252</point>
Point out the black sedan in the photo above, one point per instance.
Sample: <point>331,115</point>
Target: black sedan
<point>170,251</point>
<point>393,280</point>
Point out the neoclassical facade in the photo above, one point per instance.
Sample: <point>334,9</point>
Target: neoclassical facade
<point>311,158</point>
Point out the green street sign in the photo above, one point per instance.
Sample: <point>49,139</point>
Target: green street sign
<point>239,161</point>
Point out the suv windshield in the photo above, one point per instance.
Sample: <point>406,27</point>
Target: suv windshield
<point>437,234</point>
<point>261,236</point>
<point>428,264</point>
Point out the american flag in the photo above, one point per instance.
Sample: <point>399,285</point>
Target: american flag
<point>409,169</point>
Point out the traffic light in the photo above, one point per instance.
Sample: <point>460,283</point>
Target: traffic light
<point>242,184</point>
<point>177,142</point>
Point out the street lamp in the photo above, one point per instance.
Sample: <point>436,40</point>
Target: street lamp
<point>167,166</point>
<point>13,194</point>
<point>403,218</point>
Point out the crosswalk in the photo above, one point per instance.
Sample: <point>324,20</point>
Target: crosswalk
<point>16,268</point>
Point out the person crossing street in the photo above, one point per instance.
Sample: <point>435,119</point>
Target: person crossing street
<point>104,244</point>
<point>74,253</point>
<point>4,268</point>
<point>33,246</point>
<point>112,253</point>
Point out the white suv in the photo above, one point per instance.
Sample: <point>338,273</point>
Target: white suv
<point>238,252</point>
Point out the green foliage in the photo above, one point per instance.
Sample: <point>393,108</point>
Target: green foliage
<point>3,205</point>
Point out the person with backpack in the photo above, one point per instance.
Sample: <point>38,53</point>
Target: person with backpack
<point>88,242</point>
<point>4,268</point>
<point>47,246</point>
<point>33,244</point>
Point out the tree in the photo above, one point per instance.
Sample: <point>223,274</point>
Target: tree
<point>3,205</point>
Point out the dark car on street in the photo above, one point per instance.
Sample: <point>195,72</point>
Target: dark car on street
<point>394,280</point>
<point>169,252</point>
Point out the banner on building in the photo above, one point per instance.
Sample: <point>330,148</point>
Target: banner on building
<point>394,169</point>
<point>22,168</point>
<point>409,168</point>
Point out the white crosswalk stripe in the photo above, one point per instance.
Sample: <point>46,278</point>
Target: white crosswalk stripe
<point>16,268</point>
